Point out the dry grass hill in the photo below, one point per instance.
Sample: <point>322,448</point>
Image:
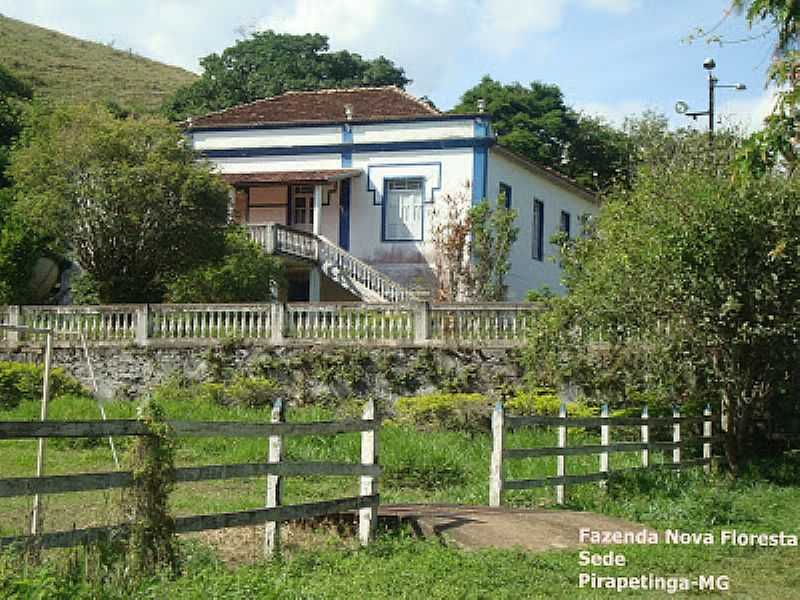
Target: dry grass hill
<point>64,67</point>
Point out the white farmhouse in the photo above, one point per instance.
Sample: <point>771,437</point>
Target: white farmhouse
<point>343,184</point>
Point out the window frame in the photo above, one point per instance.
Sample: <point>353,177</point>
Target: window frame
<point>385,209</point>
<point>565,223</point>
<point>537,230</point>
<point>505,191</point>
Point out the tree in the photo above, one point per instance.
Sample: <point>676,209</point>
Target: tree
<point>689,292</point>
<point>535,122</point>
<point>244,274</point>
<point>126,197</point>
<point>268,64</point>
<point>492,233</point>
<point>12,92</point>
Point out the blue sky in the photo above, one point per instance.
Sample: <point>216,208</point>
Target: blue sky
<point>610,57</point>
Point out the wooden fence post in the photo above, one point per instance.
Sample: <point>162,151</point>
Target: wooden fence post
<point>604,441</point>
<point>272,531</point>
<point>367,517</point>
<point>645,438</point>
<point>496,469</point>
<point>561,459</point>
<point>12,335</point>
<point>36,515</point>
<point>707,438</point>
<point>422,323</point>
<point>276,316</point>
<point>676,434</point>
<point>142,324</point>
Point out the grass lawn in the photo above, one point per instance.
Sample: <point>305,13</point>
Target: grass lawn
<point>418,467</point>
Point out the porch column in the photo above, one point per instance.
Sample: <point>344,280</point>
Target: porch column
<point>314,282</point>
<point>318,191</point>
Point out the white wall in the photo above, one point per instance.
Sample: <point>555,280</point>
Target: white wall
<point>526,272</point>
<point>265,138</point>
<point>422,130</point>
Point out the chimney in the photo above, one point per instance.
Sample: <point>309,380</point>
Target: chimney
<point>348,112</point>
<point>481,105</point>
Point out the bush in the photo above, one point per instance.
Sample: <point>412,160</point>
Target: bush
<point>23,381</point>
<point>544,401</point>
<point>438,411</point>
<point>250,392</point>
<point>244,274</point>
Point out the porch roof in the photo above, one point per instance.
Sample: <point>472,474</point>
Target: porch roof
<point>318,176</point>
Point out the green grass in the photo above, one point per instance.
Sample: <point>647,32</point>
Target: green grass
<point>61,67</point>
<point>418,467</point>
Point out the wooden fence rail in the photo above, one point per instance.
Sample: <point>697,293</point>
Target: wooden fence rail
<point>165,325</point>
<point>368,470</point>
<point>501,423</point>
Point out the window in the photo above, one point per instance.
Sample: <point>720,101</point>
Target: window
<point>302,205</point>
<point>403,210</point>
<point>565,223</point>
<point>537,229</point>
<point>505,194</point>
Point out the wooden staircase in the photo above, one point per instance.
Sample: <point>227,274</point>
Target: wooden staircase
<point>353,274</point>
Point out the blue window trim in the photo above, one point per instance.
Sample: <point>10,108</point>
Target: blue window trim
<point>566,223</point>
<point>426,200</point>
<point>538,239</point>
<point>505,190</point>
<point>386,181</point>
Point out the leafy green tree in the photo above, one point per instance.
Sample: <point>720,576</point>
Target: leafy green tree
<point>244,274</point>
<point>268,63</point>
<point>492,233</point>
<point>689,292</point>
<point>126,197</point>
<point>12,92</point>
<point>535,122</point>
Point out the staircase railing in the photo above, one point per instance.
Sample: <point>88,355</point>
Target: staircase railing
<point>335,262</point>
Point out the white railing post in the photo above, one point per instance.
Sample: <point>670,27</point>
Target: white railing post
<point>645,438</point>
<point>496,468</point>
<point>676,434</point>
<point>707,438</point>
<point>604,441</point>
<point>277,313</point>
<point>422,323</point>
<point>272,531</point>
<point>142,324</point>
<point>12,335</point>
<point>561,459</point>
<point>367,517</point>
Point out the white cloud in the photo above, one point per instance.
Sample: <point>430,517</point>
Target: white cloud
<point>614,6</point>
<point>747,112</point>
<point>614,112</point>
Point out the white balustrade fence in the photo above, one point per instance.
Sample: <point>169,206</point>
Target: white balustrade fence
<point>413,324</point>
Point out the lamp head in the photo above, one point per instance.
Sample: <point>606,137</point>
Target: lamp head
<point>741,86</point>
<point>709,64</point>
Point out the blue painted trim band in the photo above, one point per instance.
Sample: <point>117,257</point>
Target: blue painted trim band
<point>479,165</point>
<point>444,144</point>
<point>295,124</point>
<point>344,214</point>
<point>434,188</point>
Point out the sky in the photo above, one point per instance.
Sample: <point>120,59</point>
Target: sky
<point>611,58</point>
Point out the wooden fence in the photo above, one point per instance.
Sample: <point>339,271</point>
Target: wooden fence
<point>501,423</point>
<point>275,470</point>
<point>490,325</point>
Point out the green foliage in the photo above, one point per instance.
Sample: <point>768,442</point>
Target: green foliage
<point>535,122</point>
<point>23,381</point>
<point>21,245</point>
<point>153,544</point>
<point>244,274</point>
<point>544,401</point>
<point>443,411</point>
<point>242,391</point>
<point>12,93</point>
<point>268,64</point>
<point>127,197</point>
<point>251,391</point>
<point>688,292</point>
<point>493,235</point>
<point>64,68</point>
<point>83,288</point>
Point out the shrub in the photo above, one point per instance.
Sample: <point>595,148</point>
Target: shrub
<point>438,411</point>
<point>544,401</point>
<point>23,381</point>
<point>250,391</point>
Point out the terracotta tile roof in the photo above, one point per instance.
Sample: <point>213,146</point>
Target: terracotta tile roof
<point>321,176</point>
<point>322,106</point>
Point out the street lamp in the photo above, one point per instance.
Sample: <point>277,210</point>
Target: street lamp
<point>713,83</point>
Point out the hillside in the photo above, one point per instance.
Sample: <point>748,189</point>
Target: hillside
<point>60,66</point>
